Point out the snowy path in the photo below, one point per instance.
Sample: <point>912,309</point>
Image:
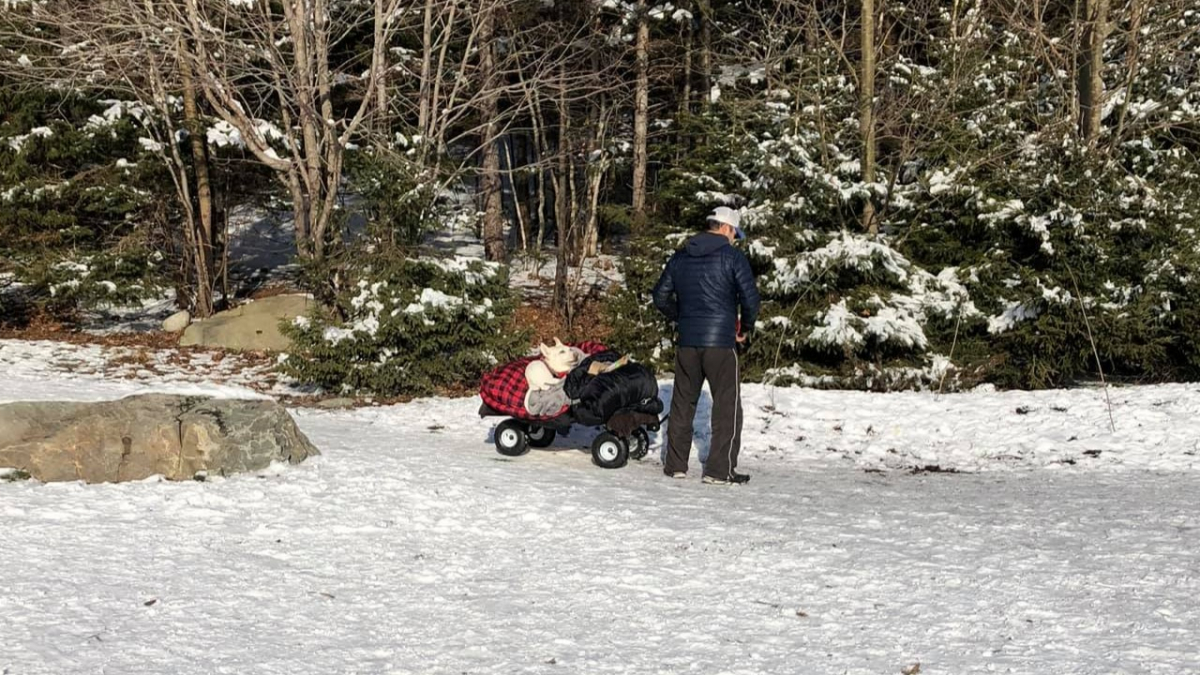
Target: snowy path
<point>410,546</point>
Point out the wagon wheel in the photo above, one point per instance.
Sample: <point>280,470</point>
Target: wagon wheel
<point>639,444</point>
<point>511,438</point>
<point>609,451</point>
<point>541,437</point>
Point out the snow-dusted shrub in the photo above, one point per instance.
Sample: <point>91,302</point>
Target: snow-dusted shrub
<point>61,285</point>
<point>400,202</point>
<point>65,181</point>
<point>412,326</point>
<point>637,327</point>
<point>1062,237</point>
<point>79,202</point>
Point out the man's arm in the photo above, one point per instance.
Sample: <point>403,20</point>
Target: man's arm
<point>664,293</point>
<point>748,298</point>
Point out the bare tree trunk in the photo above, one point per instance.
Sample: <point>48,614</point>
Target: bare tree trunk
<point>329,154</point>
<point>493,206</point>
<point>203,253</point>
<point>517,197</point>
<point>573,206</point>
<point>542,151</point>
<point>685,94</point>
<point>435,135</point>
<point>426,92</point>
<point>867,113</point>
<point>705,53</point>
<point>641,112</point>
<point>563,210</point>
<point>581,195</point>
<point>595,175</point>
<point>383,110</point>
<point>528,159</point>
<point>221,211</point>
<point>309,169</point>
<point>1091,70</point>
<point>1133,56</point>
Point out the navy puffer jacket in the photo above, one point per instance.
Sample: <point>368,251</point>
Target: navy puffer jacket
<point>702,288</point>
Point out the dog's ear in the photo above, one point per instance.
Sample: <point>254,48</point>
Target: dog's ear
<point>558,343</point>
<point>543,349</point>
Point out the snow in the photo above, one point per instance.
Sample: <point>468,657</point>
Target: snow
<point>1014,312</point>
<point>837,328</point>
<point>941,182</point>
<point>473,270</point>
<point>897,319</point>
<point>433,299</point>
<point>889,324</point>
<point>223,134</point>
<point>107,319</point>
<point>410,546</point>
<point>114,113</point>
<point>18,142</point>
<point>534,276</point>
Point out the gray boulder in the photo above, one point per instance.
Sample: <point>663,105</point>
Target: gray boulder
<point>177,321</point>
<point>249,327</point>
<point>139,436</point>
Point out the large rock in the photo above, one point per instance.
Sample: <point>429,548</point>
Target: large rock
<point>253,326</point>
<point>177,321</point>
<point>139,436</point>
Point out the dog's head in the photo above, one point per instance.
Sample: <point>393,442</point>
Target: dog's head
<point>559,357</point>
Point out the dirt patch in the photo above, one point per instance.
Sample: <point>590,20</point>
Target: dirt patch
<point>41,328</point>
<point>545,324</point>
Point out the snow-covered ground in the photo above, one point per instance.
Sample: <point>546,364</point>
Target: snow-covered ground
<point>410,546</point>
<point>534,277</point>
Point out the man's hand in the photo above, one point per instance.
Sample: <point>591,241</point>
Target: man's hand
<point>743,341</point>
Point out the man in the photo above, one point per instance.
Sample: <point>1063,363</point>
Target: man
<point>702,289</point>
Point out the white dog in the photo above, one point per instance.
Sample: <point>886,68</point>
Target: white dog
<point>546,373</point>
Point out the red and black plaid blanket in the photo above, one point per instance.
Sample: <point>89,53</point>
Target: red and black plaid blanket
<point>504,388</point>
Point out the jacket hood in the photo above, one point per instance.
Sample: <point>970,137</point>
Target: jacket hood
<point>705,243</point>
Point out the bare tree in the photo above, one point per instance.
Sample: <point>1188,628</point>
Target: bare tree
<point>866,103</point>
<point>490,183</point>
<point>202,222</point>
<point>1091,69</point>
<point>260,61</point>
<point>706,51</point>
<point>641,113</point>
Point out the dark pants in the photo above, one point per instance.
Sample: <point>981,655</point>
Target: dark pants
<point>694,365</point>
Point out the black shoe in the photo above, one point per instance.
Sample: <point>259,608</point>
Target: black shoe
<point>738,478</point>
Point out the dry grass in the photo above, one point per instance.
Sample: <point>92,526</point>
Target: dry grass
<point>545,324</point>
